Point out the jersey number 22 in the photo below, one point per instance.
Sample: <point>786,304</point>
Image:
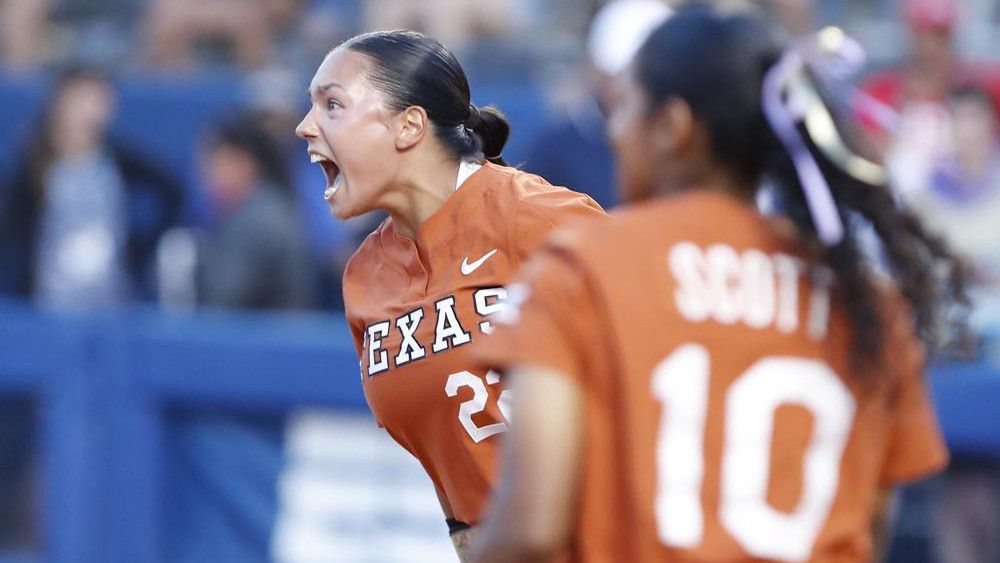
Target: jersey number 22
<point>477,403</point>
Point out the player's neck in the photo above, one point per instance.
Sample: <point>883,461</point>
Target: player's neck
<point>420,194</point>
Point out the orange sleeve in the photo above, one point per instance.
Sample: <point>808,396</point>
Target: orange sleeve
<point>915,447</point>
<point>552,320</point>
<point>537,212</point>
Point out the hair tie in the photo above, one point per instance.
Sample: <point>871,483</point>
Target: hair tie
<point>782,113</point>
<point>474,118</point>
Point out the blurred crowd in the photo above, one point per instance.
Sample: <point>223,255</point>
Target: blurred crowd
<point>90,221</point>
<point>246,229</point>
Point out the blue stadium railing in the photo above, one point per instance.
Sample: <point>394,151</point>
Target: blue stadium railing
<point>102,386</point>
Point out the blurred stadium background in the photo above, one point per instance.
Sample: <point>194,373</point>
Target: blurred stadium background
<point>176,381</point>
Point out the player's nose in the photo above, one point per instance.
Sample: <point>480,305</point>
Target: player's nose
<point>306,129</point>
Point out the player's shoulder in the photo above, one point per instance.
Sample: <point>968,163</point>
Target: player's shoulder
<point>513,178</point>
<point>702,217</point>
<point>699,214</point>
<point>514,189</point>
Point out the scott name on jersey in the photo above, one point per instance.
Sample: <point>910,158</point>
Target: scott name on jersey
<point>756,289</point>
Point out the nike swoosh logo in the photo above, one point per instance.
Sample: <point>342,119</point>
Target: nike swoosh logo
<point>468,268</point>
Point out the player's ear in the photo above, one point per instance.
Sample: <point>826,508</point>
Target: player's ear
<point>413,125</point>
<point>673,127</point>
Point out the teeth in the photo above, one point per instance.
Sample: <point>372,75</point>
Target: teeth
<point>329,192</point>
<point>314,158</point>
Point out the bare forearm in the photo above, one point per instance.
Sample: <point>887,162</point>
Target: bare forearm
<point>531,514</point>
<point>505,538</point>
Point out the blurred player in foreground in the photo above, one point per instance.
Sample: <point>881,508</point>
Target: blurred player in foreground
<point>696,381</point>
<point>393,126</point>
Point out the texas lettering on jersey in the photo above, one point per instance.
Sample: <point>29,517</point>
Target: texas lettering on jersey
<point>449,332</point>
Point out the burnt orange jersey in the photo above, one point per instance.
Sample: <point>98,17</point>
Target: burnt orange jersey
<point>721,422</point>
<point>418,308</point>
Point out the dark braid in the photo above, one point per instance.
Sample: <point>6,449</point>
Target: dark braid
<point>931,278</point>
<point>925,271</point>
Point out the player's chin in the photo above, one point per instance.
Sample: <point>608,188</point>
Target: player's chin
<point>342,207</point>
<point>340,211</point>
<point>337,201</point>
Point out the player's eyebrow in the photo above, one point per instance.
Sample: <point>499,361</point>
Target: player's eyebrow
<point>324,87</point>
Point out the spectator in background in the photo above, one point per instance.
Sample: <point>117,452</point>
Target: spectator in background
<point>273,104</point>
<point>962,200</point>
<point>254,256</point>
<point>454,22</point>
<point>906,109</point>
<point>83,215</point>
<point>247,29</point>
<point>34,33</point>
<point>79,222</point>
<point>23,25</point>
<point>575,151</point>
<point>941,152</point>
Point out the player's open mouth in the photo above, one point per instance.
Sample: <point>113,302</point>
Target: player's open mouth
<point>332,173</point>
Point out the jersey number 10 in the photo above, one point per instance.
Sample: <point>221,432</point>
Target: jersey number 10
<point>681,383</point>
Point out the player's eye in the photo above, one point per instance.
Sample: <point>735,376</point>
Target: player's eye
<point>333,104</point>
